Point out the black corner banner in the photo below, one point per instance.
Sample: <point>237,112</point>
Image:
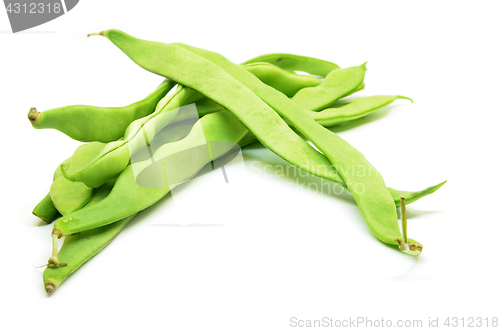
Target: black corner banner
<point>24,15</point>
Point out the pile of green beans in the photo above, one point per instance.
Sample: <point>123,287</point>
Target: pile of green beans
<point>135,155</point>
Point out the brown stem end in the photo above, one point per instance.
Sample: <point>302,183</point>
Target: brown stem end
<point>33,114</point>
<point>50,288</point>
<point>96,34</point>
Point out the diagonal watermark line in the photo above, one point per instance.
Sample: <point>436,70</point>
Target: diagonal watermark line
<point>225,175</point>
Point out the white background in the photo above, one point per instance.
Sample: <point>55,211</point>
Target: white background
<point>281,251</point>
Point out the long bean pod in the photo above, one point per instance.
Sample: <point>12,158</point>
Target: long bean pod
<point>89,123</point>
<point>293,62</point>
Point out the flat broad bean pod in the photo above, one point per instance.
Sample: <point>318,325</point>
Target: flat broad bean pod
<point>293,62</point>
<point>286,82</point>
<point>104,124</point>
<point>238,91</point>
<point>337,84</point>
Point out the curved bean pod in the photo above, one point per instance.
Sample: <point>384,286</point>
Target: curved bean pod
<point>353,110</point>
<point>238,90</point>
<point>103,124</point>
<point>339,83</point>
<point>292,62</point>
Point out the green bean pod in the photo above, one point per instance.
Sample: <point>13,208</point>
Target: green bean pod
<point>238,91</point>
<point>339,83</point>
<point>286,82</point>
<point>292,62</point>
<point>45,210</point>
<point>353,110</point>
<point>103,124</point>
<point>81,247</point>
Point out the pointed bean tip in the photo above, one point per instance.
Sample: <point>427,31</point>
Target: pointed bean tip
<point>440,184</point>
<point>403,97</point>
<point>364,65</point>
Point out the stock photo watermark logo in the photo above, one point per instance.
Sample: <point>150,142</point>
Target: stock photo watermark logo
<point>173,147</point>
<point>25,15</point>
